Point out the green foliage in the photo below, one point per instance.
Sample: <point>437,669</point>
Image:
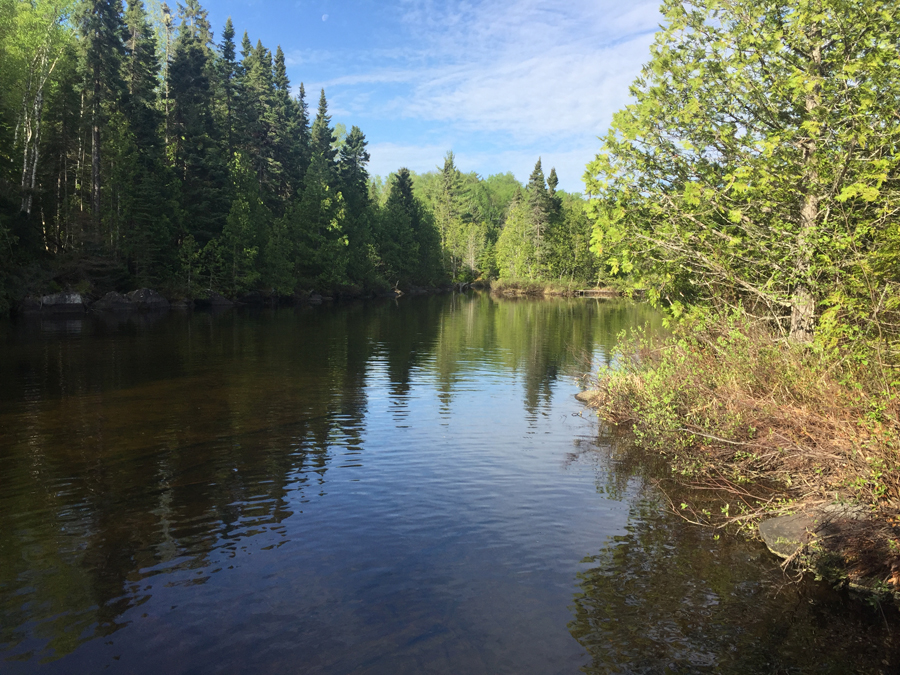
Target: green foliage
<point>757,163</point>
<point>244,228</point>
<point>723,396</point>
<point>516,252</point>
<point>154,157</point>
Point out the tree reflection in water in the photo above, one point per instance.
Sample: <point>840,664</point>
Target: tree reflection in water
<point>671,597</point>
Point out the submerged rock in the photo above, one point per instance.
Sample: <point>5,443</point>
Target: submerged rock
<point>785,534</point>
<point>60,303</point>
<point>146,298</point>
<point>114,302</point>
<point>591,397</point>
<point>29,305</point>
<point>216,300</point>
<point>182,304</point>
<point>253,298</point>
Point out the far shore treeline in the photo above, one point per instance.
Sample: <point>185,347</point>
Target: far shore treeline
<point>137,148</point>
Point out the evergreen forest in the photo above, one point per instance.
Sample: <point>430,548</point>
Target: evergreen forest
<point>138,148</point>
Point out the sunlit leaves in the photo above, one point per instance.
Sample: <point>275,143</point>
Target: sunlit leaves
<point>746,114</point>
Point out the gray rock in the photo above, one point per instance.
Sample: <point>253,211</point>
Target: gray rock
<point>254,298</point>
<point>114,302</point>
<point>844,512</point>
<point>62,303</point>
<point>29,305</point>
<point>182,304</point>
<point>785,534</point>
<point>216,300</point>
<point>315,299</point>
<point>146,298</point>
<point>590,397</point>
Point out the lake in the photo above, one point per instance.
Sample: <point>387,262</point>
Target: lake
<point>384,487</point>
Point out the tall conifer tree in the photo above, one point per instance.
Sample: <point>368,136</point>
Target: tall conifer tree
<point>228,77</point>
<point>104,32</point>
<point>199,160</point>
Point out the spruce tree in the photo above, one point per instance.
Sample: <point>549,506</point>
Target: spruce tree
<point>354,182</point>
<point>322,135</point>
<point>245,112</point>
<point>146,222</point>
<point>352,169</point>
<point>398,248</point>
<point>288,136</point>
<point>194,19</point>
<point>228,76</point>
<point>104,33</point>
<point>259,89</point>
<point>409,243</point>
<point>199,161</point>
<point>303,133</point>
<point>555,200</point>
<point>539,208</point>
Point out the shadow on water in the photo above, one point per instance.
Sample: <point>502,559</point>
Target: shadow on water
<point>374,487</point>
<point>667,596</point>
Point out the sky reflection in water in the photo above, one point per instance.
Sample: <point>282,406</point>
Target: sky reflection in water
<point>382,487</point>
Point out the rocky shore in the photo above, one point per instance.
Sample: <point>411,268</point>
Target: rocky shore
<point>69,303</point>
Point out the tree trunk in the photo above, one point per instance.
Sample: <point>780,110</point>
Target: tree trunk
<point>803,314</point>
<point>803,304</point>
<point>95,150</point>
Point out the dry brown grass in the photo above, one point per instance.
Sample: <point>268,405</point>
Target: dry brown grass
<point>738,411</point>
<point>525,287</point>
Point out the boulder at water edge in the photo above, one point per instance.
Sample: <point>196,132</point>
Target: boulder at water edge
<point>146,298</point>
<point>216,300</point>
<point>114,302</point>
<point>62,303</point>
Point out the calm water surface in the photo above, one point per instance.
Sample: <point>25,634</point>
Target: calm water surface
<point>398,487</point>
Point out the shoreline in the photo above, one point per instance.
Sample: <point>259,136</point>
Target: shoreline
<point>69,303</point>
<point>814,537</point>
<point>770,440</point>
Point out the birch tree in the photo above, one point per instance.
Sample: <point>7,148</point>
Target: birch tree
<point>37,42</point>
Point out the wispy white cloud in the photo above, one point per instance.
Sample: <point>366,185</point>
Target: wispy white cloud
<point>524,77</point>
<point>388,157</point>
<point>561,91</point>
<point>569,164</point>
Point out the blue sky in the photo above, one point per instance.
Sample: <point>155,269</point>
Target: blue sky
<point>499,82</point>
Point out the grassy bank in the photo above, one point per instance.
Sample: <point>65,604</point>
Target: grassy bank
<point>769,428</point>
